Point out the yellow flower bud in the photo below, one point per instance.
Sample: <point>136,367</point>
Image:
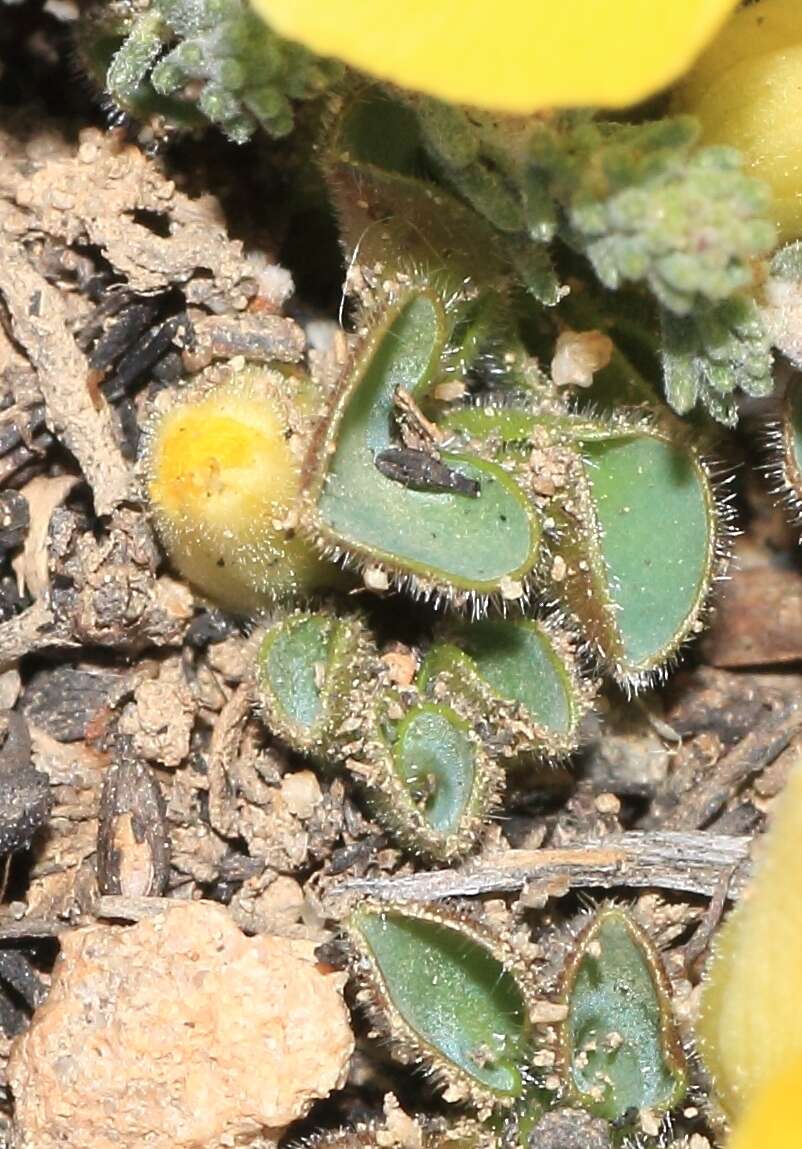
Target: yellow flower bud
<point>747,92</point>
<point>222,472</point>
<point>510,55</point>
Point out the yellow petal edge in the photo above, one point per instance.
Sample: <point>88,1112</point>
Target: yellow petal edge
<point>509,55</point>
<point>773,1121</point>
<point>750,1027</point>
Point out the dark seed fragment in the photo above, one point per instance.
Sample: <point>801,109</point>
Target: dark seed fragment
<point>133,845</point>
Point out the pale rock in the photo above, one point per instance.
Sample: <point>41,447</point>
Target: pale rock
<point>578,355</point>
<point>178,1033</point>
<point>301,791</point>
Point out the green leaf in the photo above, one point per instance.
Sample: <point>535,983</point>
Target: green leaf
<point>307,668</point>
<point>521,663</point>
<point>389,216</point>
<point>436,762</point>
<point>424,771</point>
<point>371,130</point>
<point>392,215</point>
<point>522,676</point>
<point>429,781</point>
<point>510,425</point>
<point>636,525</point>
<point>620,1048</point>
<point>643,550</point>
<point>447,996</point>
<point>395,222</point>
<point>445,540</point>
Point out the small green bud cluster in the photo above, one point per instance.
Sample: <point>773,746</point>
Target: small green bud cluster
<point>643,203</point>
<point>189,62</point>
<point>712,354</point>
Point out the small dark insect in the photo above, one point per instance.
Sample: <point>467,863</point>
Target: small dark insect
<point>423,471</point>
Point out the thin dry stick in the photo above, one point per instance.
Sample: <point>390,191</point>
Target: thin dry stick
<point>34,629</point>
<point>693,863</point>
<point>132,909</point>
<point>698,946</point>
<point>31,928</point>
<point>224,745</point>
<point>753,753</point>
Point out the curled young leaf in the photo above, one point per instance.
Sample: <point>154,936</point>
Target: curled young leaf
<point>520,675</point>
<point>429,778</point>
<point>308,667</point>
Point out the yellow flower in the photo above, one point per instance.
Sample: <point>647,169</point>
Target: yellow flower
<point>509,55</point>
<point>750,1027</point>
<point>747,92</point>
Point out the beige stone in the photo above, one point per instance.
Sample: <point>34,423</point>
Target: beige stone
<point>301,791</point>
<point>578,355</point>
<point>178,1033</point>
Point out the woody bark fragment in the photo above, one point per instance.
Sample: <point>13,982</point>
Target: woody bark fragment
<point>39,322</point>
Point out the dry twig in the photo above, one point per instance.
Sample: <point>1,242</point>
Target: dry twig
<point>753,753</point>
<point>692,862</point>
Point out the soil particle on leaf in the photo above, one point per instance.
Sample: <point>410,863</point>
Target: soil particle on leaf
<point>570,1129</point>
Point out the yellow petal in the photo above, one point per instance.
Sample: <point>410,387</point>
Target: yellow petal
<point>509,55</point>
<point>746,91</point>
<point>750,1027</point>
<point>774,1121</point>
<point>753,31</point>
